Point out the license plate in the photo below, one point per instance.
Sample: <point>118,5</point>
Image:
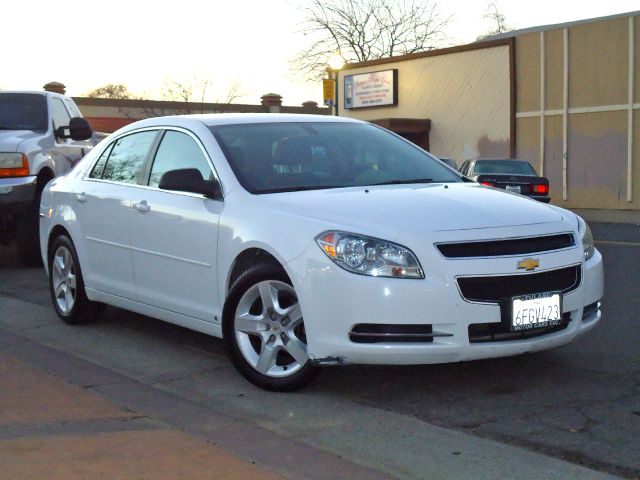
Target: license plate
<point>513,188</point>
<point>536,310</point>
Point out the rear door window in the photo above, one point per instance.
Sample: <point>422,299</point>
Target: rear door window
<point>126,160</point>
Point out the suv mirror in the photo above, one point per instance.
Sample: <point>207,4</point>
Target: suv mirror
<point>78,129</point>
<point>190,180</point>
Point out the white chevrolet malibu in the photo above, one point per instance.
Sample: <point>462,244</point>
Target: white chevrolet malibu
<point>306,240</point>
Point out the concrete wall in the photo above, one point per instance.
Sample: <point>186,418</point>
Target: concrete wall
<point>465,92</point>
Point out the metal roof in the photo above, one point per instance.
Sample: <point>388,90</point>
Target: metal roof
<point>542,28</point>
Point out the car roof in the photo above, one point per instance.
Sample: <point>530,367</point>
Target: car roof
<point>234,118</point>
<point>33,92</point>
<point>215,119</point>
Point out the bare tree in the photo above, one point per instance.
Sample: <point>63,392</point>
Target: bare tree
<point>194,91</point>
<point>364,30</point>
<point>498,20</point>
<point>112,90</point>
<point>191,93</point>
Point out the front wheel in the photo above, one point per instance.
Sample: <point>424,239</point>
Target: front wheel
<point>66,284</point>
<point>264,330</point>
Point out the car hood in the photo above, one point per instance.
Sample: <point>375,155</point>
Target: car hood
<point>10,140</point>
<point>421,208</point>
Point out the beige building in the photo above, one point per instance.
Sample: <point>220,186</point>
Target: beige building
<point>564,97</point>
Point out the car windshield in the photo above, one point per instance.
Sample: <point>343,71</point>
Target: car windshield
<point>514,167</point>
<point>280,157</point>
<point>23,111</point>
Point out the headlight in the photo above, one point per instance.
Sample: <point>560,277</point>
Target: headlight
<point>369,256</point>
<point>13,165</point>
<point>587,238</point>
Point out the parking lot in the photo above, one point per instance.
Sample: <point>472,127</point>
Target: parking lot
<point>577,406</point>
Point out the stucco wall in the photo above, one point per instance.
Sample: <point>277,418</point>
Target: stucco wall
<point>466,95</point>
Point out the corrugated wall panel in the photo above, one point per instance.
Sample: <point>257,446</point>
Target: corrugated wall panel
<point>528,140</point>
<point>636,51</point>
<point>553,69</point>
<point>597,118</point>
<point>598,63</point>
<point>553,156</point>
<point>528,72</point>
<point>636,157</point>
<point>597,163</point>
<point>465,94</point>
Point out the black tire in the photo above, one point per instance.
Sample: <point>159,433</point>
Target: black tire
<point>28,239</point>
<point>242,288</point>
<point>28,229</point>
<point>81,309</point>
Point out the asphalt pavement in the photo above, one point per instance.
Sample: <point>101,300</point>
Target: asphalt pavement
<point>573,412</point>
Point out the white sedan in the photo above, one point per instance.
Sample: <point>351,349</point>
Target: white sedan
<point>306,240</point>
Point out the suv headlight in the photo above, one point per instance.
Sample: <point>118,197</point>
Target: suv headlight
<point>586,237</point>
<point>13,165</point>
<point>369,256</point>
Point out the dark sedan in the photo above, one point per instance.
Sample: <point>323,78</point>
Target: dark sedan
<point>515,176</point>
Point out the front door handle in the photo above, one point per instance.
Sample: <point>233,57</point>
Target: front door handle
<point>81,197</point>
<point>143,206</point>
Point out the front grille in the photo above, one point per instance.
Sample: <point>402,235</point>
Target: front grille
<point>497,248</point>
<point>393,333</point>
<point>493,289</point>
<point>500,332</point>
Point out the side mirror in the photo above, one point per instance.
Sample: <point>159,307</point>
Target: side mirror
<point>190,180</point>
<point>78,129</point>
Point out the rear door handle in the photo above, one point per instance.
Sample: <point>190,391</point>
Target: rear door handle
<point>81,197</point>
<point>143,206</point>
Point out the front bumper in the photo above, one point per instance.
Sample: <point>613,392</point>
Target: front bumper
<point>17,193</point>
<point>333,301</point>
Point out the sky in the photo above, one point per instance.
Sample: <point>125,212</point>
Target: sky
<point>250,43</point>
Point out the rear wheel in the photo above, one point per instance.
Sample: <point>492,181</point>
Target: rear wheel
<point>66,284</point>
<point>264,330</point>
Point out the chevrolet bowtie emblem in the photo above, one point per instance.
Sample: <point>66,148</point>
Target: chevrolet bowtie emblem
<point>528,264</point>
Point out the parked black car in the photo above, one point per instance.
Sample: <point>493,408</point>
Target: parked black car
<point>515,176</point>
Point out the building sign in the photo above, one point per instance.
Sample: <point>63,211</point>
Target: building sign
<point>328,87</point>
<point>375,89</point>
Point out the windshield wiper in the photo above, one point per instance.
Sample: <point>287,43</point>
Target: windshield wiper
<point>298,188</point>
<point>402,182</point>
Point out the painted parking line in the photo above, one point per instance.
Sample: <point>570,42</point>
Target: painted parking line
<point>613,242</point>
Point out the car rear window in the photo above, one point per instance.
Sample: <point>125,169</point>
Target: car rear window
<point>515,167</point>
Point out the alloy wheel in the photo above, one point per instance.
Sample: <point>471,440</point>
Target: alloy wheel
<point>64,280</point>
<point>269,329</point>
